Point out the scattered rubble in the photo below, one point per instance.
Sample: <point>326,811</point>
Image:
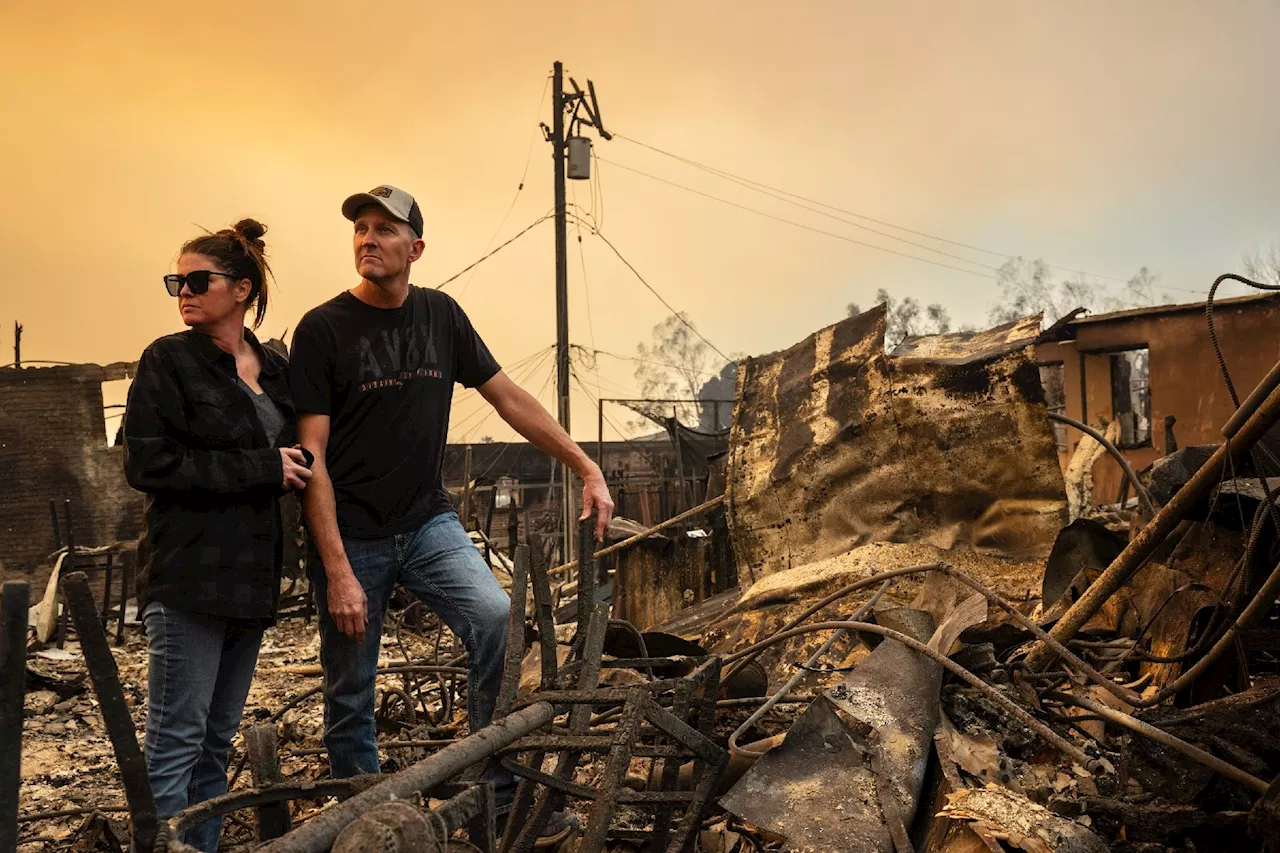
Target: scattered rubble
<point>963,661</point>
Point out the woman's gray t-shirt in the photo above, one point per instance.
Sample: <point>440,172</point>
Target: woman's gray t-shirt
<point>269,414</point>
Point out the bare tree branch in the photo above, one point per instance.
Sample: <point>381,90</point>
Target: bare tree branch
<point>1264,266</point>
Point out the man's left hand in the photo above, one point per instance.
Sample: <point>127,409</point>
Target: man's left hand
<point>595,498</point>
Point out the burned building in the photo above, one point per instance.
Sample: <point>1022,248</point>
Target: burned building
<point>54,447</point>
<point>974,677</point>
<point>649,481</point>
<point>1154,371</point>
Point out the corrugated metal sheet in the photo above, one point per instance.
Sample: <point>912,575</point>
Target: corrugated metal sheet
<point>947,443</point>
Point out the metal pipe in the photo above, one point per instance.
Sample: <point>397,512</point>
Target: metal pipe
<point>741,659</point>
<point>13,690</point>
<point>1097,435</point>
<point>1015,710</point>
<point>1161,525</point>
<point>253,798</point>
<point>1258,606</point>
<point>460,810</point>
<point>785,690</point>
<point>644,534</point>
<point>1133,724</point>
<point>1250,405</point>
<point>318,834</point>
<point>115,712</point>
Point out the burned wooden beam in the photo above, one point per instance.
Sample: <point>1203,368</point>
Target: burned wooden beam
<point>320,832</point>
<point>115,712</point>
<point>13,680</point>
<point>264,763</point>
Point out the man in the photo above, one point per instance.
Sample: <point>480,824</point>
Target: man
<point>372,373</point>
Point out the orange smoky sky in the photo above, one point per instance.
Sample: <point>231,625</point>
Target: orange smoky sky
<point>1099,136</point>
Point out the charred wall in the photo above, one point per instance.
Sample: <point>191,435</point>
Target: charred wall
<point>1185,378</point>
<point>53,447</point>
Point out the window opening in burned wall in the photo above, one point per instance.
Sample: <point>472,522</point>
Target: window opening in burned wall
<point>507,493</point>
<point>115,392</point>
<point>1131,395</point>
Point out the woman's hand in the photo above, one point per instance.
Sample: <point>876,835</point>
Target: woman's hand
<point>296,472</point>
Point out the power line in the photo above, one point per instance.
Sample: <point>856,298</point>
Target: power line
<point>847,239</point>
<point>528,375</point>
<point>528,158</point>
<point>616,388</point>
<point>597,202</point>
<point>783,197</point>
<point>541,391</point>
<point>489,410</point>
<point>653,363</point>
<point>751,183</point>
<point>621,431</point>
<point>489,255</point>
<point>651,289</point>
<point>463,394</point>
<point>507,445</point>
<point>586,289</point>
<point>761,187</point>
<point>529,365</point>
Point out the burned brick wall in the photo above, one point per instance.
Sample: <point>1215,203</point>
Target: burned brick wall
<point>53,447</point>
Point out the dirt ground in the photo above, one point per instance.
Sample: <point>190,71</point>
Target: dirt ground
<point>67,758</point>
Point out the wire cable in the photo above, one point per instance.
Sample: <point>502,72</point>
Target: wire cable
<point>1257,452</point>
<point>779,196</point>
<point>748,182</point>
<point>490,254</point>
<point>507,445</point>
<point>785,196</point>
<point>597,203</point>
<point>531,365</point>
<point>768,190</point>
<point>652,290</point>
<point>990,270</point>
<point>469,394</point>
<point>586,290</point>
<point>528,158</point>
<point>595,352</point>
<point>489,410</point>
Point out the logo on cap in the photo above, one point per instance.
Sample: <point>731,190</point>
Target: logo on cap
<point>381,192</point>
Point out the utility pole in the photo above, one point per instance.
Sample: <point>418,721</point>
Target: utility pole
<point>578,167</point>
<point>562,304</point>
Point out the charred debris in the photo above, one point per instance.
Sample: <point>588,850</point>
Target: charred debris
<point>939,642</point>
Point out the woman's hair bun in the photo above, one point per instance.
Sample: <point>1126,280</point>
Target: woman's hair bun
<point>251,230</point>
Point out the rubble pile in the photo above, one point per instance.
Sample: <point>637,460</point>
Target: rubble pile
<point>69,770</point>
<point>934,649</point>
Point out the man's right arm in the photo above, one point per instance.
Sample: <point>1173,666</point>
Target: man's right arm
<point>346,599</point>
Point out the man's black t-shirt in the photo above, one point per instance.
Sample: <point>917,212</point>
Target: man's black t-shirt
<point>385,376</point>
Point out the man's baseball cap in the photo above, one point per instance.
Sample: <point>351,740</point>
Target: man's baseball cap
<point>394,201</point>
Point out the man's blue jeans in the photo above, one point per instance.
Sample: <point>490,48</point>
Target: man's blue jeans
<point>199,672</point>
<point>439,564</point>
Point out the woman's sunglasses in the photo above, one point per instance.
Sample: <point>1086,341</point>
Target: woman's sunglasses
<point>197,280</point>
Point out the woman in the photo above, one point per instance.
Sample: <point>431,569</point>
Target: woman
<point>209,434</point>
